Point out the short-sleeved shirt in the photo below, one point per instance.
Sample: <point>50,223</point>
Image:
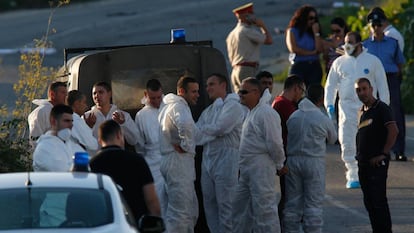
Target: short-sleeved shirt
<point>388,51</point>
<point>372,131</point>
<point>243,44</point>
<point>129,170</point>
<point>285,108</point>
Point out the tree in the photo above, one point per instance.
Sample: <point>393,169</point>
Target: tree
<point>15,151</point>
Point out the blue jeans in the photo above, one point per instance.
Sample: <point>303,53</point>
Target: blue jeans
<point>309,71</point>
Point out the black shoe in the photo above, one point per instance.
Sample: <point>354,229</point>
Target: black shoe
<point>400,157</point>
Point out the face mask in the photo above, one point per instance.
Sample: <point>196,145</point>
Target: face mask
<point>349,48</point>
<point>64,134</point>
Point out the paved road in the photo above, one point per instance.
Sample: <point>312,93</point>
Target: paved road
<point>344,211</point>
<point>122,22</point>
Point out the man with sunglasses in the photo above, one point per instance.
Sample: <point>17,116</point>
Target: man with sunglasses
<point>389,52</point>
<point>345,70</point>
<point>261,158</point>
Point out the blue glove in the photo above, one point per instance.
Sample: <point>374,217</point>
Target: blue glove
<point>331,112</point>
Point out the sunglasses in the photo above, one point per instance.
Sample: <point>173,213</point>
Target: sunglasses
<point>376,25</point>
<point>243,92</point>
<point>336,31</point>
<point>312,18</point>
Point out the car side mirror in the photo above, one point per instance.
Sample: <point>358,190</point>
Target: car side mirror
<point>151,224</point>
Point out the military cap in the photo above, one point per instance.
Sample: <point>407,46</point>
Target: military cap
<point>245,9</point>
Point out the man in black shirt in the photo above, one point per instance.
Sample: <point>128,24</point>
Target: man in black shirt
<point>377,132</point>
<point>127,169</point>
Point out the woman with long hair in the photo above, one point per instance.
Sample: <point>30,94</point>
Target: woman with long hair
<point>304,44</point>
<point>333,44</point>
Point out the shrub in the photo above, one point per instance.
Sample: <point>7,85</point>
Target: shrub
<point>15,150</point>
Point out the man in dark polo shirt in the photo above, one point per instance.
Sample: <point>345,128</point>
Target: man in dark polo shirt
<point>377,132</point>
<point>128,169</point>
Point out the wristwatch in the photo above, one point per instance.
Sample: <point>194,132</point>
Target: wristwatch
<point>317,34</point>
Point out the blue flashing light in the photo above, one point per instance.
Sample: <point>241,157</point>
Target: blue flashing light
<point>177,35</point>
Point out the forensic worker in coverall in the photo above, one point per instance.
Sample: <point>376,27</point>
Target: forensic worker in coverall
<point>149,133</point>
<point>105,110</point>
<point>223,121</point>
<point>177,144</point>
<point>345,70</point>
<point>261,157</point>
<point>309,129</point>
<point>38,119</point>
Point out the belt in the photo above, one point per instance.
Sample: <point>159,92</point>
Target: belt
<point>248,63</point>
<point>308,62</point>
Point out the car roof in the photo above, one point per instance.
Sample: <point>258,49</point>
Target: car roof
<point>52,179</point>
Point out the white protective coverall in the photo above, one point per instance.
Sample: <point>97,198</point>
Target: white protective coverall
<point>148,145</point>
<point>82,134</point>
<point>219,172</point>
<point>261,155</point>
<point>309,129</point>
<point>177,127</point>
<point>38,119</point>
<point>341,79</point>
<point>52,154</point>
<point>128,127</point>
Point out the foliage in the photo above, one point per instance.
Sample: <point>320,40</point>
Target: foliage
<point>280,77</point>
<point>405,22</point>
<point>401,14</point>
<point>34,78</point>
<point>14,153</point>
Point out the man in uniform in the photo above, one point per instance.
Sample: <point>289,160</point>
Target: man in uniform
<point>389,52</point>
<point>243,44</point>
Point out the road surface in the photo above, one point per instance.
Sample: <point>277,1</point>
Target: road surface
<point>125,22</point>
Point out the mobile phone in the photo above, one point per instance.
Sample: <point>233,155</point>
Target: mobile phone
<point>251,18</point>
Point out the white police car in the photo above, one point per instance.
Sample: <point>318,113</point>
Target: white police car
<point>62,202</point>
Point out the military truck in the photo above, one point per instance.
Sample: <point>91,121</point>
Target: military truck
<point>128,68</point>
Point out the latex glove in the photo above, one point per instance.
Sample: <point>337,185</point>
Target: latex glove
<point>331,112</point>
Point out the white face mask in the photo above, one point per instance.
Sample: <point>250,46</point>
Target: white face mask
<point>64,134</point>
<point>349,48</point>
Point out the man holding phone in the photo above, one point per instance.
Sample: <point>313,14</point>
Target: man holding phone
<point>377,132</point>
<point>243,44</point>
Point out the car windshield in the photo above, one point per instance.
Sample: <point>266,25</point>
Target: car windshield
<point>54,208</point>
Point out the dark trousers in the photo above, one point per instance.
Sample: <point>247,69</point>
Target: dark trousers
<point>373,182</point>
<point>309,71</point>
<point>394,85</point>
